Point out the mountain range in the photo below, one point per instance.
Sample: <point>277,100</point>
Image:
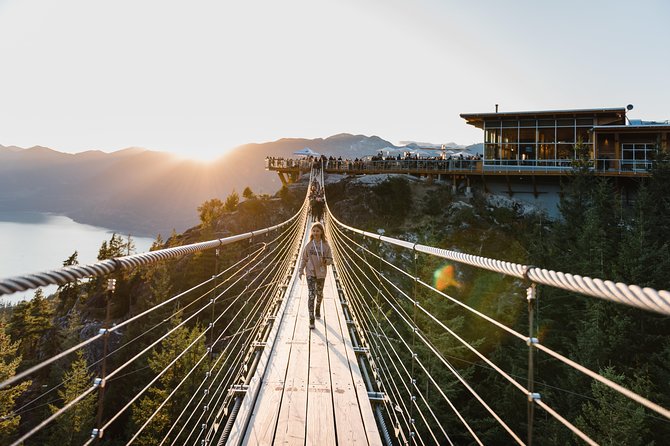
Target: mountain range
<point>146,192</point>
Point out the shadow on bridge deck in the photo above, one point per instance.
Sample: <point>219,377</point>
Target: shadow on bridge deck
<point>311,391</point>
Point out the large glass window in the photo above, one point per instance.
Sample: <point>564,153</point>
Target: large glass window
<point>546,151</point>
<point>527,152</point>
<point>583,134</point>
<point>509,152</point>
<point>565,152</point>
<point>492,135</point>
<point>565,134</point>
<point>527,135</point>
<point>510,135</point>
<point>637,156</point>
<point>492,151</point>
<point>546,135</point>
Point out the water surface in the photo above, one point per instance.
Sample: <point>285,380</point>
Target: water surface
<point>35,241</point>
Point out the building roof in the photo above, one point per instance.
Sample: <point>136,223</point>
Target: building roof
<point>634,128</point>
<point>477,119</point>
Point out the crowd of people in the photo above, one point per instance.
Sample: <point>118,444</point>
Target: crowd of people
<point>317,202</point>
<point>379,161</point>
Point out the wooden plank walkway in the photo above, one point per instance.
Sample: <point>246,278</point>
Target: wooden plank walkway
<point>312,391</point>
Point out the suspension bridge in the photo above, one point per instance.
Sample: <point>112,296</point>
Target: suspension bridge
<point>367,374</point>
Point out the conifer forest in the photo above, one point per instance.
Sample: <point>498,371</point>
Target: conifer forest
<point>596,236</point>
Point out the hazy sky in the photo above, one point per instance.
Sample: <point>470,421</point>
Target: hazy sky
<point>200,77</point>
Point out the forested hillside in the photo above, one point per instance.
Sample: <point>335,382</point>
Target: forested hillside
<point>595,237</point>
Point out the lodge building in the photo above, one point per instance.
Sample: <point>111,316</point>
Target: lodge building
<point>548,141</point>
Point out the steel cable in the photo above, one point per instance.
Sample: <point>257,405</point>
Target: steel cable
<point>408,323</point>
<point>649,299</point>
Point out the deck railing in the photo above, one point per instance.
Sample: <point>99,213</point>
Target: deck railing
<point>465,165</point>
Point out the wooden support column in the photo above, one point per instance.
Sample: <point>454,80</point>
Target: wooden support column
<point>284,182</point>
<point>617,152</point>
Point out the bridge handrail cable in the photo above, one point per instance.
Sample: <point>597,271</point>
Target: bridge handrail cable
<point>632,295</point>
<point>201,335</point>
<point>657,301</point>
<point>71,273</point>
<point>446,363</point>
<point>613,385</point>
<point>360,308</point>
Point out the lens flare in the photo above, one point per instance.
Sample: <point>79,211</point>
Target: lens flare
<point>444,278</point>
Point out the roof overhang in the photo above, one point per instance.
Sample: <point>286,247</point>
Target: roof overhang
<point>651,128</point>
<point>477,119</point>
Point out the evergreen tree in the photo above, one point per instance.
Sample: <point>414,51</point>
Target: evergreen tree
<point>598,239</point>
<point>116,247</point>
<point>158,243</point>
<point>210,211</point>
<point>248,194</point>
<point>68,293</point>
<point>645,255</point>
<point>614,419</point>
<point>74,426</point>
<point>29,324</point>
<point>172,346</point>
<point>9,362</point>
<point>232,201</point>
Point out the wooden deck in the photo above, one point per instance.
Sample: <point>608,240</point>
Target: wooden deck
<point>311,392</point>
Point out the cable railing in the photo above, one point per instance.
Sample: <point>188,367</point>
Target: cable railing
<point>466,165</point>
<point>396,333</point>
<point>260,272</point>
<point>383,309</point>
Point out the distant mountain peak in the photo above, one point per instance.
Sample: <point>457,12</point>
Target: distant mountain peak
<point>130,151</point>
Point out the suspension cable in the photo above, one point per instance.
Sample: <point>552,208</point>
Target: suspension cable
<point>407,322</point>
<point>649,299</point>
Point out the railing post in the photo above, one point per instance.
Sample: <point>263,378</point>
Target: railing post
<point>101,381</point>
<point>531,297</point>
<point>412,382</point>
<point>213,304</point>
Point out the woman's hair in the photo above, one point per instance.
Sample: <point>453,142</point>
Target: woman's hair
<point>320,226</point>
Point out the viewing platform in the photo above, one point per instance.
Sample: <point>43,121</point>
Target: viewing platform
<point>290,169</point>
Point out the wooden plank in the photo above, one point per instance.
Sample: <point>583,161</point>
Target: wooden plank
<point>238,430</point>
<point>292,414</point>
<point>346,351</point>
<point>348,420</point>
<point>263,420</point>
<point>320,417</point>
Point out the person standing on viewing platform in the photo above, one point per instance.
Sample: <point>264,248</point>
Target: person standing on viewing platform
<point>316,256</point>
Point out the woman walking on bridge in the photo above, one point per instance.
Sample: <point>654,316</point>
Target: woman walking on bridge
<point>316,256</point>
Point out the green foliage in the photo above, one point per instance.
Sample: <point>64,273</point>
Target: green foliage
<point>159,243</point>
<point>210,211</point>
<point>248,194</point>
<point>68,293</point>
<point>435,201</point>
<point>29,325</point>
<point>393,199</point>
<point>169,349</point>
<point>232,201</point>
<point>116,247</point>
<point>9,362</point>
<point>612,419</point>
<point>74,426</point>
